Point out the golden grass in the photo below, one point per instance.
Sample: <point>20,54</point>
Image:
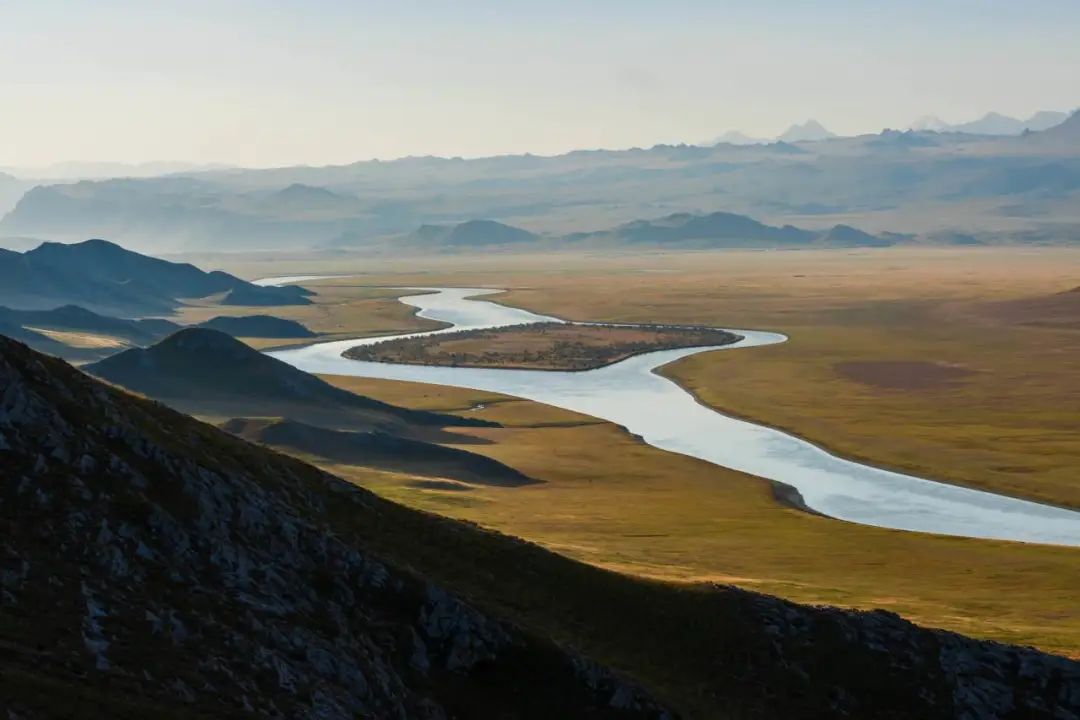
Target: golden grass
<point>612,501</point>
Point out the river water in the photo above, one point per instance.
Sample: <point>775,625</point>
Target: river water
<point>631,394</point>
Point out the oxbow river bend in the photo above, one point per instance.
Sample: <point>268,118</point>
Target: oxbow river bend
<point>631,394</point>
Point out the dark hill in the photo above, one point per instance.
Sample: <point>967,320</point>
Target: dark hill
<point>255,296</point>
<point>487,232</point>
<point>718,228</point>
<point>105,277</point>
<point>727,230</point>
<point>300,198</point>
<point>473,233</point>
<point>207,372</point>
<point>154,566</point>
<point>377,450</point>
<point>261,326</point>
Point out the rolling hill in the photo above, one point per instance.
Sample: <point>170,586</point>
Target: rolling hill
<point>156,566</point>
<point>104,277</point>
<point>206,372</point>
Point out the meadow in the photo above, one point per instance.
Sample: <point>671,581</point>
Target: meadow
<point>1001,418</point>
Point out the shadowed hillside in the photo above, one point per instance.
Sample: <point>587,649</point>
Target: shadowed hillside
<point>206,372</point>
<point>377,450</point>
<point>104,277</point>
<point>190,574</point>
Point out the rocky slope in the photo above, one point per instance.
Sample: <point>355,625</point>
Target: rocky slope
<point>153,565</point>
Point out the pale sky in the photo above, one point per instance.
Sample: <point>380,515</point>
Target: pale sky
<point>278,82</point>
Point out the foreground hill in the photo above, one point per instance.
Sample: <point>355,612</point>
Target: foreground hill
<point>104,277</point>
<point>191,575</point>
<point>206,372</point>
<point>187,573</point>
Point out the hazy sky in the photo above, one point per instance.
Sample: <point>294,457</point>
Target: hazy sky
<point>332,81</point>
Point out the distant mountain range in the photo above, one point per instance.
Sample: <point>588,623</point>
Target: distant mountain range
<point>728,230</point>
<point>992,186</point>
<point>994,124</point>
<point>104,277</point>
<point>714,230</point>
<point>79,170</point>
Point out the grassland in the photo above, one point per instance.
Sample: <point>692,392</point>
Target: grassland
<point>1005,422</point>
<point>612,501</point>
<point>1008,424</point>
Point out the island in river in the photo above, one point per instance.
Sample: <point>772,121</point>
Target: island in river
<point>540,346</point>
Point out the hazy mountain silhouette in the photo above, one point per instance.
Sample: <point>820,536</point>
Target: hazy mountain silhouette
<point>994,123</point>
<point>736,137</point>
<point>728,230</point>
<point>866,180</point>
<point>472,233</point>
<point>809,131</point>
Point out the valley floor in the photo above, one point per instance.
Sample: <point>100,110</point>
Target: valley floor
<point>890,360</point>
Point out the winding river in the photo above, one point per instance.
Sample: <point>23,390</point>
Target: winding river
<point>664,415</point>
